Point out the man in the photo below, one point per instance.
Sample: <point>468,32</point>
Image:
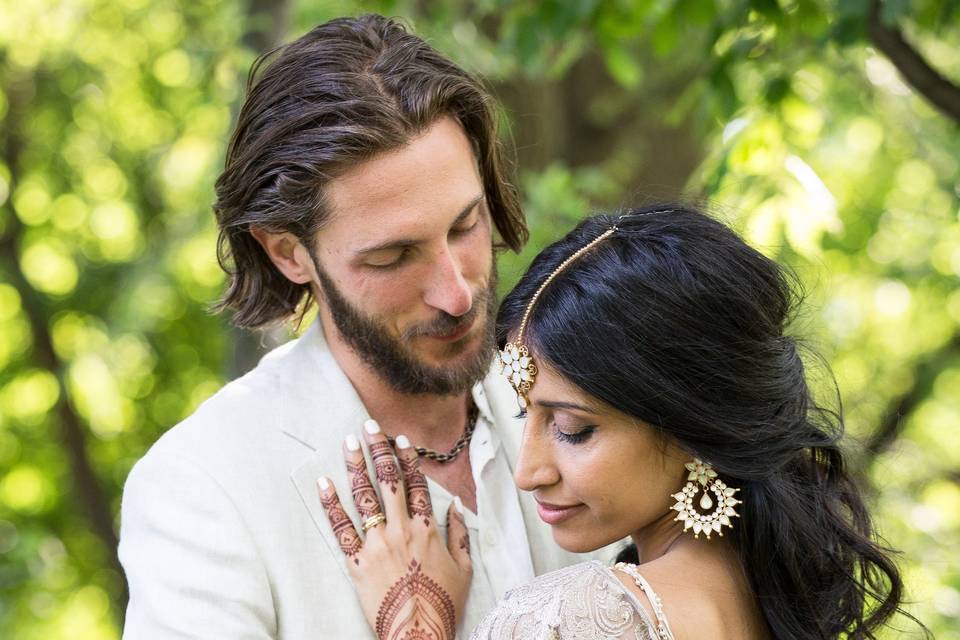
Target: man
<point>364,173</point>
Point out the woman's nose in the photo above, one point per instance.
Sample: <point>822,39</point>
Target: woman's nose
<point>535,468</point>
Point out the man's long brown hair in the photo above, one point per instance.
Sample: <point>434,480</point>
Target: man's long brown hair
<point>348,90</point>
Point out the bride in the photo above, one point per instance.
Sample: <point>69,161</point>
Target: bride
<point>663,402</point>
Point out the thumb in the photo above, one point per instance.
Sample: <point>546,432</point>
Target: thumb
<point>458,538</point>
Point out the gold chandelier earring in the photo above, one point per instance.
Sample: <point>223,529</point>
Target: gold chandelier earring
<point>713,513</point>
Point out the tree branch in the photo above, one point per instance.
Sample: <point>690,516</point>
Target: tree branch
<point>930,83</point>
<point>923,375</point>
<point>89,492</point>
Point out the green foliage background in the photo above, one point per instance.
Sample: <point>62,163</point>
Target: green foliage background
<point>786,115</point>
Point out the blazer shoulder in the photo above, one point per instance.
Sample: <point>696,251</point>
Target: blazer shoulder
<point>238,408</point>
<point>240,421</point>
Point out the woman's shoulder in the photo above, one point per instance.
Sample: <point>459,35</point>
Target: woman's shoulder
<point>558,584</point>
<point>584,601</point>
<point>697,596</point>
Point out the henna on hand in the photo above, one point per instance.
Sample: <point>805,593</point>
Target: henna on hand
<point>343,529</point>
<point>416,608</point>
<point>364,495</point>
<point>418,493</point>
<point>388,473</point>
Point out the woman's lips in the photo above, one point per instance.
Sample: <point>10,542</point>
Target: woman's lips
<point>556,513</point>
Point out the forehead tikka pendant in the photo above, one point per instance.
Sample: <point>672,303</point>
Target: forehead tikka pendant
<point>516,363</point>
<point>518,367</point>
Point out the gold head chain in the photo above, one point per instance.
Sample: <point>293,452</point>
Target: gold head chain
<point>516,363</point>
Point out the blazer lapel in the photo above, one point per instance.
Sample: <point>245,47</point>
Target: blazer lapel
<point>318,408</point>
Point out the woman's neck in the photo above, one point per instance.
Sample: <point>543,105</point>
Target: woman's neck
<point>657,538</point>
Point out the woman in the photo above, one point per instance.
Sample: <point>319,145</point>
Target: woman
<point>664,402</point>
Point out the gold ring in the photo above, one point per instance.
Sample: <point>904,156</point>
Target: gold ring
<point>373,521</point>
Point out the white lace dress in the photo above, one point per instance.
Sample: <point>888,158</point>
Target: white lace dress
<point>582,602</point>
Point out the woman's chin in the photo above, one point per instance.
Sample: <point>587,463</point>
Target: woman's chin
<point>576,540</point>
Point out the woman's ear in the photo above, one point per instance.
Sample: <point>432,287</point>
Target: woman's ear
<point>287,253</point>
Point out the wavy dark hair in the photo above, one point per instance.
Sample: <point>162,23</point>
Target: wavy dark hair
<point>678,322</point>
<point>337,96</point>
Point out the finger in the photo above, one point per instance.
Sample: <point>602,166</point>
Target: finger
<point>387,472</point>
<point>343,529</point>
<point>458,537</point>
<point>364,495</point>
<point>418,493</point>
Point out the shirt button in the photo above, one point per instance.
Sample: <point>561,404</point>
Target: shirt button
<point>490,538</point>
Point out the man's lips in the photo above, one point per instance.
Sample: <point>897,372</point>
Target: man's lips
<point>557,513</point>
<point>456,334</point>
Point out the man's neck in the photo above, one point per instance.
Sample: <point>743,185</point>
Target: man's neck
<point>428,420</point>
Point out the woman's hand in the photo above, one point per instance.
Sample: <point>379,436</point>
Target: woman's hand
<point>411,584</point>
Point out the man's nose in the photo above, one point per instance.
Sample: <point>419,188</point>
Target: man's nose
<point>534,467</point>
<point>446,288</point>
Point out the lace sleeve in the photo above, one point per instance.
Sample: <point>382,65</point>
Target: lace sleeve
<point>582,602</point>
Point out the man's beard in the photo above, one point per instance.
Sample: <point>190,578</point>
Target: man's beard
<point>393,361</point>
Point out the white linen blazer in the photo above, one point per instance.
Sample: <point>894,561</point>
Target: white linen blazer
<point>222,534</point>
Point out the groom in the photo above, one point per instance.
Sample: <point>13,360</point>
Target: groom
<point>364,173</point>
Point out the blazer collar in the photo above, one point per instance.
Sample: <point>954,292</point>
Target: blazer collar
<point>318,404</point>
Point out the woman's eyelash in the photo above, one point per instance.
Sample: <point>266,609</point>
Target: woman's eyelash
<point>576,438</point>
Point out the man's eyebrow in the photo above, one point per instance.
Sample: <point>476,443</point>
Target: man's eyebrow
<point>556,404</point>
<point>401,243</point>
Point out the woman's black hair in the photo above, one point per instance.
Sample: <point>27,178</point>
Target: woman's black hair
<point>678,322</point>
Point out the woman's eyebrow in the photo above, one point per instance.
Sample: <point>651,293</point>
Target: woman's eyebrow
<point>558,404</point>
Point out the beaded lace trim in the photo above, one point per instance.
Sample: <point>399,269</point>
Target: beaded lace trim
<point>663,627</point>
<point>586,601</point>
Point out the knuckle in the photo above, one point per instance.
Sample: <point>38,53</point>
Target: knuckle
<point>400,537</point>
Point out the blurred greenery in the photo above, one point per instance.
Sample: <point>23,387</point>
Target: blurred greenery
<point>790,117</point>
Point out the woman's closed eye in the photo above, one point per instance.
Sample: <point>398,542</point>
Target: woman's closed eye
<point>574,436</point>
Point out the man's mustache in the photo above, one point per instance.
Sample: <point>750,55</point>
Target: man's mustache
<point>446,323</point>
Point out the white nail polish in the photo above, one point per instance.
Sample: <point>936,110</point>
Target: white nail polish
<point>371,427</point>
<point>458,504</point>
<point>352,443</point>
<point>323,483</point>
<point>403,442</point>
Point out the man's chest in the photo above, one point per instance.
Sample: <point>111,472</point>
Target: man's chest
<point>455,476</point>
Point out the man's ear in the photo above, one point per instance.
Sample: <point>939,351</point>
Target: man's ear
<point>287,253</point>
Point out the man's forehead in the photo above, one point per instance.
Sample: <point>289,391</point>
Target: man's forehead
<point>433,164</point>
